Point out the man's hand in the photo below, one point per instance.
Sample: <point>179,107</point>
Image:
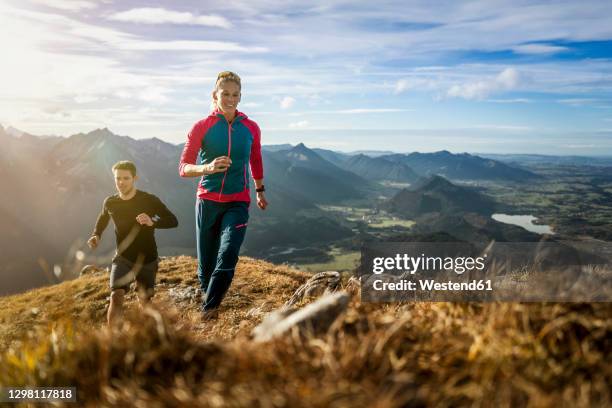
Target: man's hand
<point>93,242</point>
<point>261,201</point>
<point>219,165</point>
<point>144,219</point>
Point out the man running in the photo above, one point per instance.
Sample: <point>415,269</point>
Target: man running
<point>135,214</point>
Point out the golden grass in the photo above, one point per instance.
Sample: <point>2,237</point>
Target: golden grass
<point>257,284</point>
<point>382,355</point>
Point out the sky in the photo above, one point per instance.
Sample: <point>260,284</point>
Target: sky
<point>465,76</point>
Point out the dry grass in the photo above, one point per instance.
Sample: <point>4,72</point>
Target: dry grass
<point>386,355</point>
<point>257,284</point>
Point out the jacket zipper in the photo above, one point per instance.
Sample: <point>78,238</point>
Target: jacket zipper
<point>229,152</point>
<point>245,179</point>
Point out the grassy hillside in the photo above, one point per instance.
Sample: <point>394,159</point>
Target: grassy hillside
<point>83,301</point>
<point>385,355</point>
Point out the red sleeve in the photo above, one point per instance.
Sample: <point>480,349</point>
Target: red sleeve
<point>192,146</point>
<point>256,161</point>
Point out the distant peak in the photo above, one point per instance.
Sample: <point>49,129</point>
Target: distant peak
<point>153,140</point>
<point>434,181</point>
<point>101,132</point>
<point>301,148</point>
<point>436,178</point>
<point>11,131</point>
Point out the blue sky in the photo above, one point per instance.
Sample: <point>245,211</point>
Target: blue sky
<point>475,76</point>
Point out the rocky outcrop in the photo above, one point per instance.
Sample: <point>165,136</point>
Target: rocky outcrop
<point>185,294</point>
<point>319,284</point>
<point>314,318</point>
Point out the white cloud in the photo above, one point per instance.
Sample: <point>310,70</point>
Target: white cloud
<point>476,25</point>
<point>80,99</point>
<point>70,31</point>
<point>513,100</point>
<point>151,15</point>
<point>401,86</point>
<point>219,46</point>
<point>502,127</point>
<point>508,79</point>
<point>416,80</point>
<point>300,124</point>
<point>580,146</point>
<point>473,90</point>
<point>538,49</point>
<point>576,102</point>
<point>250,104</point>
<point>287,102</point>
<point>154,94</point>
<point>70,59</point>
<point>123,94</point>
<point>369,110</point>
<point>68,5</point>
<point>357,111</point>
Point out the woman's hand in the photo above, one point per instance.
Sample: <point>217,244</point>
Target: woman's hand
<point>261,201</point>
<point>219,165</point>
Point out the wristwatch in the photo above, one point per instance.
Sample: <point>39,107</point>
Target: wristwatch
<point>261,189</point>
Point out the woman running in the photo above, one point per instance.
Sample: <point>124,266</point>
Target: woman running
<point>227,143</point>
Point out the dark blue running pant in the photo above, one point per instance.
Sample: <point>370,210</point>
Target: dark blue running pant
<point>220,230</point>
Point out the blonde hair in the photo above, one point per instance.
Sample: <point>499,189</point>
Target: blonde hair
<point>225,76</point>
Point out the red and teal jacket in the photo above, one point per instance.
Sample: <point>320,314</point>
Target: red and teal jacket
<point>241,142</point>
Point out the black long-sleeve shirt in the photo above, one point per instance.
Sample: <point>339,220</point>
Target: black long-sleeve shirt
<point>133,239</point>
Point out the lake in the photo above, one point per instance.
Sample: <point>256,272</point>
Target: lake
<point>525,221</point>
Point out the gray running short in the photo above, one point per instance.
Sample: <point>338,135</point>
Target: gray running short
<point>124,272</point>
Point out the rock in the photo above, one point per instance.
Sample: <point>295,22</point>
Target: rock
<point>272,319</point>
<point>185,294</point>
<point>320,283</point>
<point>314,318</point>
<point>91,270</point>
<point>257,310</point>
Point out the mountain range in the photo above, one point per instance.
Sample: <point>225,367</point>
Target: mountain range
<point>537,159</point>
<point>54,187</point>
<point>463,166</point>
<point>380,169</point>
<point>301,170</point>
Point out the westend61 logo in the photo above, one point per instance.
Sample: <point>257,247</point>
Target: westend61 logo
<point>548,271</point>
<point>410,264</point>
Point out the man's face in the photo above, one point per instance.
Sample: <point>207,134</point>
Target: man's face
<point>124,181</point>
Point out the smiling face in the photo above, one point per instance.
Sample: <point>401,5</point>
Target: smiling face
<point>227,96</point>
<point>124,181</point>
